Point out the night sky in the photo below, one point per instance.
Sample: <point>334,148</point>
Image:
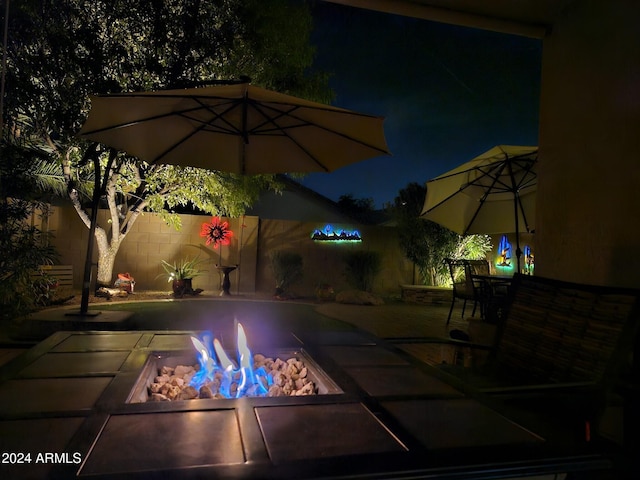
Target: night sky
<point>447,94</point>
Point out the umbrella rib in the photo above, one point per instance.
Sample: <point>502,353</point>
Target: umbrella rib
<point>524,184</point>
<point>482,200</point>
<point>461,189</point>
<point>530,179</point>
<point>182,113</point>
<point>305,123</point>
<point>484,179</point>
<point>202,126</point>
<point>177,144</point>
<point>514,190</point>
<point>521,209</point>
<point>219,116</point>
<point>275,115</point>
<point>449,197</point>
<point>141,120</point>
<point>286,134</point>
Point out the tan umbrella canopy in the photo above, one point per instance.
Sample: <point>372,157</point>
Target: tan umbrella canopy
<point>493,193</point>
<point>235,128</point>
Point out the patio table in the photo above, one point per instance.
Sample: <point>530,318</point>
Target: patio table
<point>493,294</point>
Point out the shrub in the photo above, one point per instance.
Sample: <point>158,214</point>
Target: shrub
<point>24,249</point>
<point>182,269</point>
<point>287,268</point>
<point>361,269</point>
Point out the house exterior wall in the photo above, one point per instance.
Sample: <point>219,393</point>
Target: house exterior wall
<point>291,205</point>
<point>588,220</point>
<point>151,240</point>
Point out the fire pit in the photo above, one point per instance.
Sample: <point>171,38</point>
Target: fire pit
<point>375,425</point>
<point>209,373</point>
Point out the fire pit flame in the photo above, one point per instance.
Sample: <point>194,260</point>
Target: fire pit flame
<point>216,376</point>
<point>250,381</point>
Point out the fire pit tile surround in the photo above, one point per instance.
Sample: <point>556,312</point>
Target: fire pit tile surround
<point>323,431</point>
<point>75,364</point>
<point>44,395</point>
<point>182,445</point>
<point>85,342</point>
<point>53,436</point>
<point>366,430</point>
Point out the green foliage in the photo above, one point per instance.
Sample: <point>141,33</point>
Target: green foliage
<point>182,269</point>
<point>426,243</point>
<point>61,51</point>
<point>473,247</point>
<point>24,247</point>
<point>287,269</point>
<point>361,268</point>
<point>43,288</point>
<point>168,188</point>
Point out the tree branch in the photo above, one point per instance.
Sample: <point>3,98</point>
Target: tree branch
<point>111,192</point>
<point>73,193</point>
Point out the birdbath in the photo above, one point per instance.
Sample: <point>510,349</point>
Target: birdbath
<point>226,283</point>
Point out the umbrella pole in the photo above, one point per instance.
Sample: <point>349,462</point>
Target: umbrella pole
<point>95,203</point>
<point>518,251</point>
<point>516,199</point>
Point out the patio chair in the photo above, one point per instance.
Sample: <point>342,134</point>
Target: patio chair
<point>484,293</point>
<point>563,349</point>
<point>463,286</point>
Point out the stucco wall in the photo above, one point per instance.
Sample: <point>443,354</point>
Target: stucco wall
<point>324,262</point>
<point>151,240</point>
<point>588,211</point>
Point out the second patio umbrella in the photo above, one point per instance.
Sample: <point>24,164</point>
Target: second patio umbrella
<point>236,128</point>
<point>493,193</point>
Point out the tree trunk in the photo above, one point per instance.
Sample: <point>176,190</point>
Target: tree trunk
<point>106,258</point>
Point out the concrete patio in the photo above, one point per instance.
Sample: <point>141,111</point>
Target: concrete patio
<point>396,414</point>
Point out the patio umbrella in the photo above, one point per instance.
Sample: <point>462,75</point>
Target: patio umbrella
<point>235,128</point>
<point>493,193</point>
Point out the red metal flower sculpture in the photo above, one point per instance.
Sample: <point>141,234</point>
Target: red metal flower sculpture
<point>216,232</point>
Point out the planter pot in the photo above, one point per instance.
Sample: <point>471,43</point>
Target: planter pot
<point>182,286</point>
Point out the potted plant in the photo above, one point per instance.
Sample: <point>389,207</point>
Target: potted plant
<point>181,273</point>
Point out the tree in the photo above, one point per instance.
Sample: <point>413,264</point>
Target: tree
<point>61,51</point>
<point>24,247</point>
<point>361,209</point>
<point>426,243</point>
